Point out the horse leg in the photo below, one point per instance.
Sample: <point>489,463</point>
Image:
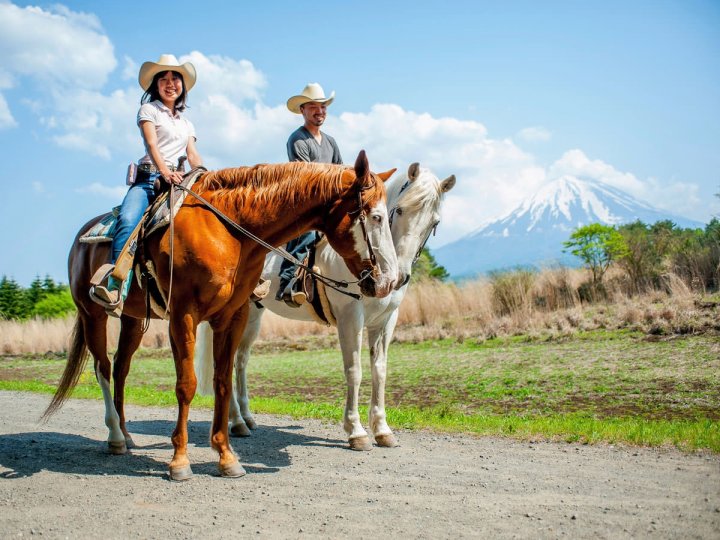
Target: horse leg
<point>350,336</point>
<point>96,338</point>
<point>379,339</point>
<point>182,341</point>
<point>128,343</point>
<point>241,419</point>
<point>225,343</point>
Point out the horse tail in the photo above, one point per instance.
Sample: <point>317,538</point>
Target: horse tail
<point>77,357</point>
<point>204,360</point>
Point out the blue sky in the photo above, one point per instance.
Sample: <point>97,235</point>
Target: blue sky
<point>505,95</point>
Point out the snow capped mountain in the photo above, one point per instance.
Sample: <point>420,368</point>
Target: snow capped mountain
<point>533,233</point>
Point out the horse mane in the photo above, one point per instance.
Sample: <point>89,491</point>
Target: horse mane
<point>424,190</point>
<point>280,184</point>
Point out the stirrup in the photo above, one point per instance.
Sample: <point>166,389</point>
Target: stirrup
<point>100,295</point>
<point>292,297</point>
<point>261,290</point>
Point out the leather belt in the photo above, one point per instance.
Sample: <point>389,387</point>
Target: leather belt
<point>152,169</point>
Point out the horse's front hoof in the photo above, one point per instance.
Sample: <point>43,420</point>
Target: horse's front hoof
<point>360,444</point>
<point>130,443</point>
<point>179,474</point>
<point>239,430</point>
<point>117,448</point>
<point>232,470</point>
<point>387,440</point>
<point>250,422</point>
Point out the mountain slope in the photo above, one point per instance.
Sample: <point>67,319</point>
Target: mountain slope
<point>533,233</point>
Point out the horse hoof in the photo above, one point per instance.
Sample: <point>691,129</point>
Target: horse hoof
<point>240,430</point>
<point>233,470</point>
<point>117,448</point>
<point>360,444</point>
<point>251,423</point>
<point>387,440</point>
<point>178,474</point>
<point>130,443</point>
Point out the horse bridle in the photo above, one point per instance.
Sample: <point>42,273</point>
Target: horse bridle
<point>431,230</point>
<point>338,285</point>
<point>362,218</point>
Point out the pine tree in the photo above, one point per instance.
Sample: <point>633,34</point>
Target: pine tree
<point>426,267</point>
<point>13,300</point>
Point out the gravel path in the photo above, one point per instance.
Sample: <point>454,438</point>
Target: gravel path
<point>57,481</point>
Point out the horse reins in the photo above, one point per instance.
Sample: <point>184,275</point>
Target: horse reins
<point>335,284</point>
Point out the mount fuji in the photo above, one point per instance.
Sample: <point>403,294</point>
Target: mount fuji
<point>533,233</point>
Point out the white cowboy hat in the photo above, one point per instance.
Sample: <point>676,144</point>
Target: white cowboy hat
<point>167,62</point>
<point>312,92</point>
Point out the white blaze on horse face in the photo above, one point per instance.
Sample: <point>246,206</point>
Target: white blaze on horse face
<point>415,214</point>
<point>382,245</point>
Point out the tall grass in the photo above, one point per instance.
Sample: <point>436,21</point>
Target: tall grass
<point>546,303</point>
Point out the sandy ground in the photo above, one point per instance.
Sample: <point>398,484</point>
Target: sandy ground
<point>58,481</point>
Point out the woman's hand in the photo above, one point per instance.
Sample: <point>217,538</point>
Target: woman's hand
<point>172,177</point>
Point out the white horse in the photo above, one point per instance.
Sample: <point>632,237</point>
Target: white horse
<point>414,201</point>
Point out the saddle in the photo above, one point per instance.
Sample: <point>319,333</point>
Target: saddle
<point>156,217</point>
<point>317,302</point>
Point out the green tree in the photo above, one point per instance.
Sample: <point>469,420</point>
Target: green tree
<point>36,292</point>
<point>598,246</point>
<point>13,300</point>
<point>426,267</point>
<point>55,305</point>
<point>642,260</point>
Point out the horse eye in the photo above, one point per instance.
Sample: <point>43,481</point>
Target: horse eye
<point>377,218</point>
<point>399,211</point>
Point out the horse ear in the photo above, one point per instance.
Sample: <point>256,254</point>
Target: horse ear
<point>384,176</point>
<point>447,184</point>
<point>414,171</point>
<point>362,168</point>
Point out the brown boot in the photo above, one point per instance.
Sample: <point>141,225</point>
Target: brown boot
<point>261,290</point>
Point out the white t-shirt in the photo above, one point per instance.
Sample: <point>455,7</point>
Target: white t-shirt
<point>173,132</point>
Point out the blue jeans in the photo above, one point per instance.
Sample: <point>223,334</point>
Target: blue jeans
<point>300,248</point>
<point>140,195</point>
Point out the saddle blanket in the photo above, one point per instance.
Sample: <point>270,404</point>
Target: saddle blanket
<point>103,230</point>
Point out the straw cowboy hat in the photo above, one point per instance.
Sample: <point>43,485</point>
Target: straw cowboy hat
<point>167,62</point>
<point>312,92</point>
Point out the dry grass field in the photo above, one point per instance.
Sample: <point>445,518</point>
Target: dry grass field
<point>544,304</point>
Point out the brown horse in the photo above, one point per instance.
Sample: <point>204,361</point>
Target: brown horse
<point>215,268</point>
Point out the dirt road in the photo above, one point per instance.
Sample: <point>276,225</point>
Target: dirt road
<point>57,481</point>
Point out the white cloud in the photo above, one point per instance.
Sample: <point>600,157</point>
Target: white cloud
<point>130,69</point>
<point>6,118</point>
<point>534,134</point>
<point>237,80</point>
<point>492,174</point>
<point>102,125</point>
<point>680,198</point>
<point>55,46</point>
<point>115,193</point>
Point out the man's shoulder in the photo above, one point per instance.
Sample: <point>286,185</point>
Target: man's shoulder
<point>300,134</point>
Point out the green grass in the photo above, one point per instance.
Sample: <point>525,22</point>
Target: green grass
<point>597,387</point>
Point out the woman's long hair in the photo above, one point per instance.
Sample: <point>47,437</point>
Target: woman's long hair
<point>153,94</point>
